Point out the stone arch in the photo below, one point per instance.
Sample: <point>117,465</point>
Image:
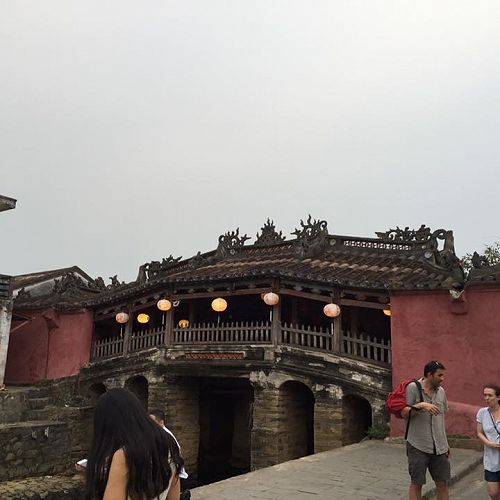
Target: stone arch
<point>296,421</point>
<point>95,391</point>
<point>356,418</point>
<point>139,386</point>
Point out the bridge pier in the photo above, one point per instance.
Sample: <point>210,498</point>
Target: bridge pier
<point>328,416</point>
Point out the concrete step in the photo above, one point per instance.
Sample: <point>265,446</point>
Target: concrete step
<point>40,414</point>
<point>38,403</point>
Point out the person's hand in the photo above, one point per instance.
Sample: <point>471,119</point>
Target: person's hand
<point>429,407</point>
<point>492,444</point>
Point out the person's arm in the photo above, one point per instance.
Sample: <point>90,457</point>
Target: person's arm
<point>174,492</point>
<point>116,487</point>
<point>482,437</point>
<point>411,398</point>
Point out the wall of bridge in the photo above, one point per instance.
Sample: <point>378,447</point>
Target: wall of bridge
<point>462,334</point>
<point>49,346</point>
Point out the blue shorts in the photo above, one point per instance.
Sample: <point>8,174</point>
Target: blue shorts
<point>491,477</point>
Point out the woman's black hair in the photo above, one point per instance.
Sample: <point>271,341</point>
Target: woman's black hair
<point>121,422</point>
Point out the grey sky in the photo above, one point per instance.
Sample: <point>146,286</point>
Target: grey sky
<point>132,130</point>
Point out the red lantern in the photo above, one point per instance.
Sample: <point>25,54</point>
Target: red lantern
<point>121,317</point>
<point>271,298</point>
<point>331,310</point>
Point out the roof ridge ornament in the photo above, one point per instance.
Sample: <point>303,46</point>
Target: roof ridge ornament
<point>479,261</point>
<point>69,282</point>
<point>153,269</point>
<point>231,243</point>
<point>399,235</point>
<point>269,235</point>
<point>312,237</point>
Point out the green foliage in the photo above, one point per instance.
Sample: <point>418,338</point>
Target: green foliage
<point>491,252</point>
<point>378,432</point>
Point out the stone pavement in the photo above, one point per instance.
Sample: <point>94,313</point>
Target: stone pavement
<point>44,487</point>
<point>371,470</point>
<point>471,486</point>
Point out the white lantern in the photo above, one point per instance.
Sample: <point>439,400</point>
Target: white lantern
<point>164,305</point>
<point>143,318</point>
<point>121,317</point>
<point>219,305</point>
<point>331,310</point>
<point>271,298</point>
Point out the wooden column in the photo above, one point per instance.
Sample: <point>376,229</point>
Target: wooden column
<point>337,325</point>
<point>276,324</point>
<point>128,330</point>
<point>295,311</point>
<point>169,326</point>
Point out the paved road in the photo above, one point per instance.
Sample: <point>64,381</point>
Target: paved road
<point>470,487</point>
<point>372,470</point>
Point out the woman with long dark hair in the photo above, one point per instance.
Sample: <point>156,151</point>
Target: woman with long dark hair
<point>488,431</point>
<point>130,456</point>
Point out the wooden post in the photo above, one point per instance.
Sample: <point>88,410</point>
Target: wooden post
<point>128,330</point>
<point>276,322</point>
<point>169,326</point>
<point>337,326</point>
<point>295,312</point>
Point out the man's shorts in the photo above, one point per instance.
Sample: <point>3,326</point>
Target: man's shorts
<point>419,462</point>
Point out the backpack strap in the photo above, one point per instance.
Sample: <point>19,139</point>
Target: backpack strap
<point>421,393</point>
<point>493,420</point>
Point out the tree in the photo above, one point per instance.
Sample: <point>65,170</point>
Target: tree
<point>491,256</point>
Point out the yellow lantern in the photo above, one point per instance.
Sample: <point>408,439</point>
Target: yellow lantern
<point>143,318</point>
<point>271,298</point>
<point>183,323</point>
<point>219,305</point>
<point>387,312</point>
<point>121,317</point>
<point>331,310</point>
<point>164,305</point>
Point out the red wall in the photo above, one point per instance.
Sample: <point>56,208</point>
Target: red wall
<point>49,346</point>
<point>424,328</point>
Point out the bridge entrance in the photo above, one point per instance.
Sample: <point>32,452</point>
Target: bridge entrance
<point>296,430</point>
<point>225,429</point>
<point>357,419</point>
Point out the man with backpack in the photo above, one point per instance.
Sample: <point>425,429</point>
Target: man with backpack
<point>426,442</point>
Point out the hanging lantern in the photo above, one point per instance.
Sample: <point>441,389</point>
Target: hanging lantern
<point>121,317</point>
<point>164,305</point>
<point>331,310</point>
<point>387,312</point>
<point>183,323</point>
<point>271,298</point>
<point>143,318</point>
<point>219,305</point>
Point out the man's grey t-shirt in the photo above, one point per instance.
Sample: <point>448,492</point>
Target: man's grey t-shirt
<point>427,431</point>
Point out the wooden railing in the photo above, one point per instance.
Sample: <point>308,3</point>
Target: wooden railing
<point>359,345</point>
<point>364,346</point>
<point>147,339</point>
<point>106,348</point>
<point>225,333</point>
<point>309,337</point>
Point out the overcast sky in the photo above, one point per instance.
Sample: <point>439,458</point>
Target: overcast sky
<point>132,130</point>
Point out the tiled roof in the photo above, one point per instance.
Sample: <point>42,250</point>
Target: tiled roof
<point>24,280</point>
<point>396,260</point>
<point>486,274</point>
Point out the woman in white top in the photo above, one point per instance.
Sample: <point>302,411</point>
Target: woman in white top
<point>488,431</point>
<point>130,457</point>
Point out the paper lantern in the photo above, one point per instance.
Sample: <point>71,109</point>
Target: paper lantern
<point>219,305</point>
<point>271,298</point>
<point>387,312</point>
<point>331,310</point>
<point>121,317</point>
<point>164,305</point>
<point>143,318</point>
<point>183,323</point>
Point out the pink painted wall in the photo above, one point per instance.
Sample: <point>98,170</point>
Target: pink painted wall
<point>425,328</point>
<point>49,346</point>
